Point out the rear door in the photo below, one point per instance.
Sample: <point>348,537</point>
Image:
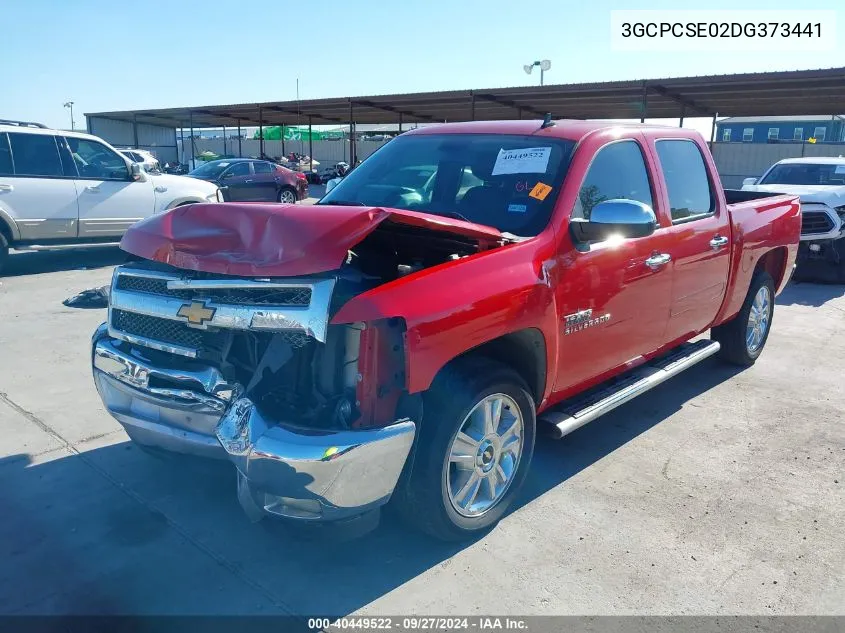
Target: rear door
<point>34,190</point>
<point>236,181</point>
<point>700,237</point>
<point>109,200</point>
<point>613,297</point>
<point>266,181</point>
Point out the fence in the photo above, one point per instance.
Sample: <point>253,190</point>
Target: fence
<point>327,153</point>
<point>736,161</point>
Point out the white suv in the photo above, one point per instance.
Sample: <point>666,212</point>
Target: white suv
<point>141,156</point>
<point>59,188</point>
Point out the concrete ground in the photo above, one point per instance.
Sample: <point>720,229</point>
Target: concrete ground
<point>720,492</point>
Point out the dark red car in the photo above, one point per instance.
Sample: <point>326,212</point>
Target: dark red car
<point>247,179</point>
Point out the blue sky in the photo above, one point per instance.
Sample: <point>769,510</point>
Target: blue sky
<point>126,55</point>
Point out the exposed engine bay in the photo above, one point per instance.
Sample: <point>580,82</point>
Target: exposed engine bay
<point>291,376</point>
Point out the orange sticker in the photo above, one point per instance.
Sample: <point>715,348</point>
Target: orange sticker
<point>540,191</point>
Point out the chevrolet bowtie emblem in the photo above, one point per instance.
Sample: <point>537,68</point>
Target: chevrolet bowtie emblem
<point>196,312</point>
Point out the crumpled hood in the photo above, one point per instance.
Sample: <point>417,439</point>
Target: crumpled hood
<point>257,239</point>
<point>831,195</point>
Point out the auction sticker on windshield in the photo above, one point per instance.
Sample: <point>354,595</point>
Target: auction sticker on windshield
<point>526,160</point>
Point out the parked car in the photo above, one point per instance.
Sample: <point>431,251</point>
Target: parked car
<point>820,183</point>
<point>250,179</point>
<point>403,339</point>
<point>59,188</point>
<point>141,156</point>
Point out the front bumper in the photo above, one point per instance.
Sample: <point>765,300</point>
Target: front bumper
<point>283,470</point>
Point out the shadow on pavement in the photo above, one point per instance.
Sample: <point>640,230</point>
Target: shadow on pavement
<point>810,294</point>
<point>115,530</point>
<point>35,262</point>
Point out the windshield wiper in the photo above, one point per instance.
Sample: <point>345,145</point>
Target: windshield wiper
<point>342,203</point>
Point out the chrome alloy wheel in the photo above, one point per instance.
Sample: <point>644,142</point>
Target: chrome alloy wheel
<point>758,320</point>
<point>484,455</point>
<point>287,196</point>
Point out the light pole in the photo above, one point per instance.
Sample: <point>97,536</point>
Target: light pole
<point>69,104</point>
<point>544,66</point>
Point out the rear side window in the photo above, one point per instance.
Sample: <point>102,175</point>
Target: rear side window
<point>5,156</point>
<point>262,168</point>
<point>35,155</point>
<point>686,178</point>
<point>617,172</point>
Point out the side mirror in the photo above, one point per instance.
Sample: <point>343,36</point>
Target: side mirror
<point>626,218</point>
<point>747,182</point>
<point>134,171</point>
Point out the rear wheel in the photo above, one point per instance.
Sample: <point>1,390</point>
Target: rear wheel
<point>287,196</point>
<point>474,448</point>
<point>743,337</point>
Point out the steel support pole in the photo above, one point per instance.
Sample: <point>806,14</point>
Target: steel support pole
<point>224,141</point>
<point>283,140</point>
<point>192,162</point>
<point>683,111</point>
<point>261,131</point>
<point>472,106</point>
<point>135,129</point>
<point>713,129</point>
<point>310,147</point>
<point>351,133</point>
<point>240,153</point>
<point>644,103</point>
<point>400,123</point>
<point>181,158</point>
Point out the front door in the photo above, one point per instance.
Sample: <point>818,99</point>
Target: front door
<point>236,182</point>
<point>109,200</point>
<point>613,296</point>
<point>266,182</point>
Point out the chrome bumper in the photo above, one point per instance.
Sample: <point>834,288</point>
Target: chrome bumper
<point>283,470</point>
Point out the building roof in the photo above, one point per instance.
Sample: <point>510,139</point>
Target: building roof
<point>766,94</point>
<point>784,119</point>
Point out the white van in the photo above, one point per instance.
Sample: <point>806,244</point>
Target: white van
<point>59,188</point>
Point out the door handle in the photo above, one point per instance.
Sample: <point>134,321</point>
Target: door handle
<point>93,188</point>
<point>7,187</point>
<point>718,242</point>
<point>658,260</point>
<point>247,180</point>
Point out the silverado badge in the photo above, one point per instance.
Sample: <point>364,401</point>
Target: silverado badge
<point>581,320</point>
<point>196,312</point>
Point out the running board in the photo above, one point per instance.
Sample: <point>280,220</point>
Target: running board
<point>575,413</point>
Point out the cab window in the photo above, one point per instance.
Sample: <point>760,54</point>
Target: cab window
<point>96,161</point>
<point>690,193</point>
<point>618,171</point>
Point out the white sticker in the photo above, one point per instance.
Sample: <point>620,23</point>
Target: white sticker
<point>527,160</point>
<point>517,208</point>
<point>840,169</point>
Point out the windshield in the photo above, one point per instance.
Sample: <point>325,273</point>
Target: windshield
<point>210,171</point>
<point>505,181</point>
<point>805,174</point>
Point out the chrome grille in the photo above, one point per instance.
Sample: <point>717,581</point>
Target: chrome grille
<point>242,296</point>
<point>158,329</point>
<point>816,222</point>
<point>152,306</point>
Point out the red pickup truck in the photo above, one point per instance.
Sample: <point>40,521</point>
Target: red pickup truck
<point>404,339</point>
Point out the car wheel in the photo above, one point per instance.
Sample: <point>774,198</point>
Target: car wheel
<point>287,196</point>
<point>474,447</point>
<point>743,337</point>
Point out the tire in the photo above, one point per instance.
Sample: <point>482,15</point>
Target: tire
<point>737,348</point>
<point>4,251</point>
<point>430,490</point>
<point>287,195</point>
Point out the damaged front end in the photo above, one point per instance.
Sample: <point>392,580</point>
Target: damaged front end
<point>250,370</point>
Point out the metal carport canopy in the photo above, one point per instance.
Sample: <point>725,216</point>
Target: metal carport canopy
<point>751,94</point>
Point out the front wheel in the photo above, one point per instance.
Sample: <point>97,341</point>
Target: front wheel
<point>474,448</point>
<point>743,337</point>
<point>287,196</point>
